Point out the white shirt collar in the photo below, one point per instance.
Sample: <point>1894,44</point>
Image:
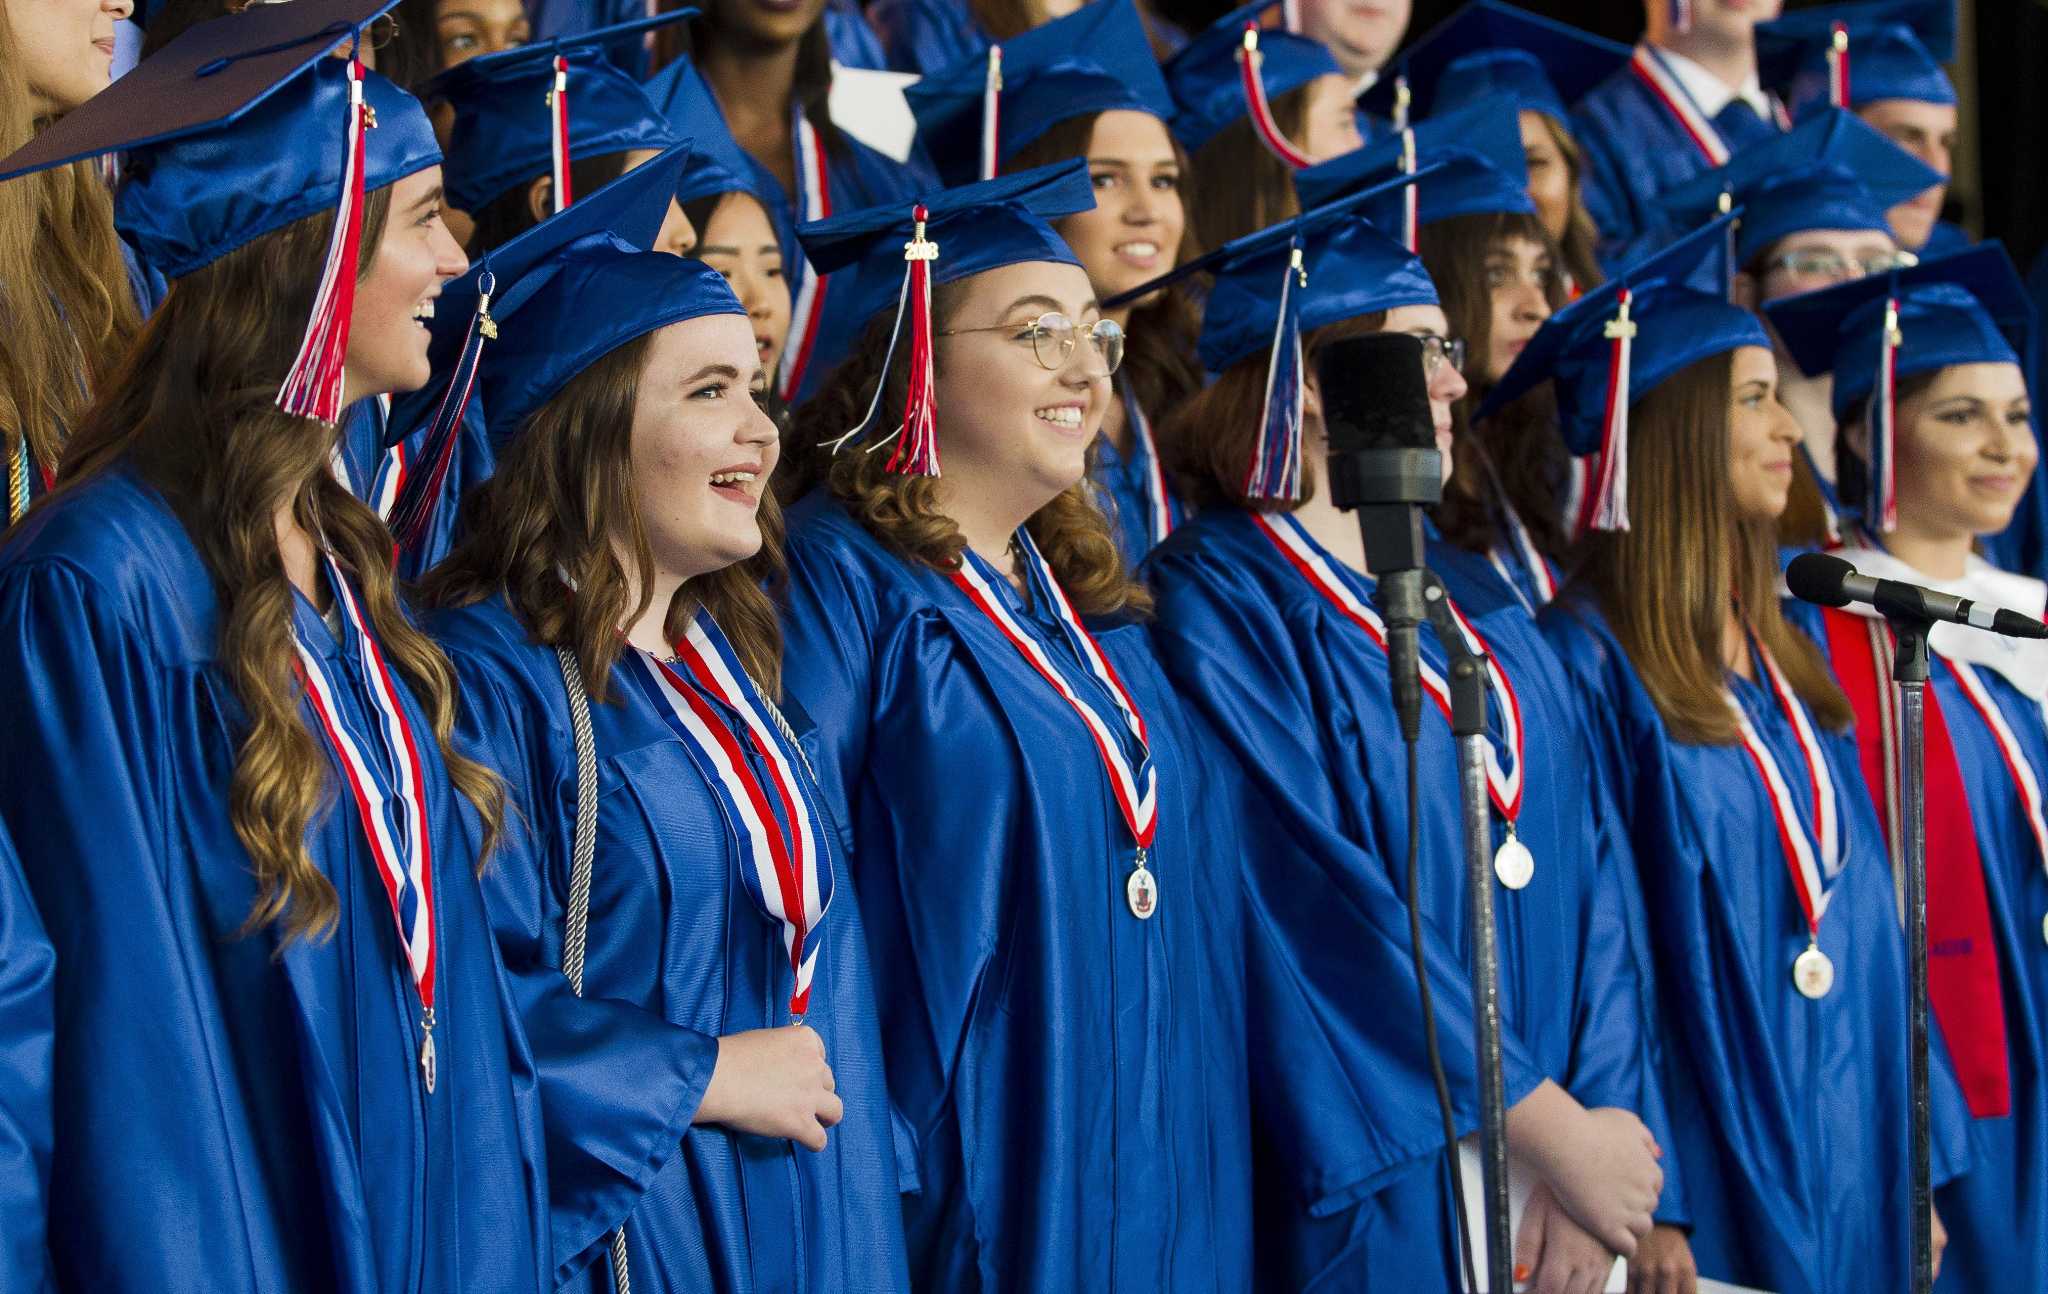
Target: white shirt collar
<point>2023,661</point>
<point>1709,92</point>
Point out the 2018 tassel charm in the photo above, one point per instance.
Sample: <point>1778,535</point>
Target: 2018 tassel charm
<point>917,443</point>
<point>313,387</point>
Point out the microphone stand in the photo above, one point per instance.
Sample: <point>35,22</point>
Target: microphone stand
<point>1909,673</point>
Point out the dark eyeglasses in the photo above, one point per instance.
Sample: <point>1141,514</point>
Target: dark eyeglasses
<point>1053,337</point>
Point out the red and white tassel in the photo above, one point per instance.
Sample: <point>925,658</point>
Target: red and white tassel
<point>1262,112</point>
<point>1882,507</point>
<point>917,443</point>
<point>1606,505</point>
<point>1838,67</point>
<point>558,132</point>
<point>1411,196</point>
<point>313,387</point>
<point>991,111</point>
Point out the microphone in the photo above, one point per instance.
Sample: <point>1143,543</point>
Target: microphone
<point>1384,465</point>
<point>1832,582</point>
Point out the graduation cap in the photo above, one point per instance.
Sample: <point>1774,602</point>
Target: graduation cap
<point>980,111</point>
<point>1969,308</point>
<point>1830,172</point>
<point>1623,340</point>
<point>529,111</point>
<point>1847,55</point>
<point>252,127</point>
<point>1483,169</point>
<point>1233,69</point>
<point>944,236</point>
<point>1488,48</point>
<point>467,317</point>
<point>717,163</point>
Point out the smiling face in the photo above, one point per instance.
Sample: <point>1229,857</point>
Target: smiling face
<point>1329,119</point>
<point>1761,437</point>
<point>1966,451</point>
<point>1360,34</point>
<point>387,336</point>
<point>702,446</point>
<point>1009,427</point>
<point>66,48</point>
<point>464,29</point>
<point>1133,233</point>
<point>1520,275</point>
<point>739,242</point>
<point>1928,132</point>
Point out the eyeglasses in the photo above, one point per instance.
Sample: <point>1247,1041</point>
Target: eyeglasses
<point>1437,349</point>
<point>1833,265</point>
<point>1052,337</point>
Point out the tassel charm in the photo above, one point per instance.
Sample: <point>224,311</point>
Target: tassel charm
<point>1268,130</point>
<point>1275,470</point>
<point>313,387</point>
<point>1606,505</point>
<point>1838,68</point>
<point>991,111</point>
<point>917,443</point>
<point>558,132</point>
<point>1403,97</point>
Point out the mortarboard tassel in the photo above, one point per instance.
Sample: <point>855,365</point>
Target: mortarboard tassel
<point>1275,471</point>
<point>1269,131</point>
<point>917,443</point>
<point>1881,509</point>
<point>1403,96</point>
<point>558,132</point>
<point>1605,506</point>
<point>991,111</point>
<point>313,387</point>
<point>1726,204</point>
<point>413,510</point>
<point>1838,67</point>
<point>1411,204</point>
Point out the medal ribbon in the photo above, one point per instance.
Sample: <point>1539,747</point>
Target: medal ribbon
<point>1810,861</point>
<point>1503,786</point>
<point>1664,86</point>
<point>1136,789</point>
<point>2024,777</point>
<point>814,202</point>
<point>1158,501</point>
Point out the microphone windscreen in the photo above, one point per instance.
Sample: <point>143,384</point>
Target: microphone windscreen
<point>1374,394</point>
<point>1818,578</point>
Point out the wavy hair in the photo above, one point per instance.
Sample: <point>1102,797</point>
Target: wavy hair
<point>193,413</point>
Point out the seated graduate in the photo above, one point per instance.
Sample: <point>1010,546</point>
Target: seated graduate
<point>1488,48</point>
<point>1247,133</point>
<point>618,658</point>
<point>1036,831</point>
<point>287,1053</point>
<point>1815,204</point>
<point>1265,625</point>
<point>1779,966</point>
<point>1946,454</point>
<point>1086,86</point>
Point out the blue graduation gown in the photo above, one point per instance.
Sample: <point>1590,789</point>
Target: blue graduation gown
<point>673,931</point>
<point>28,968</point>
<point>926,36</point>
<point>1789,1115</point>
<point>1302,696</point>
<point>1069,1080</point>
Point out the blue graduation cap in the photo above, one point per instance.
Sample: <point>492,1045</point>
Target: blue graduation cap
<point>717,162</point>
<point>1483,169</point>
<point>1488,48</point>
<point>1847,55</point>
<point>529,111</point>
<point>1969,308</point>
<point>944,236</point>
<point>1233,69</point>
<point>979,112</point>
<point>1623,340</point>
<point>252,127</point>
<point>1831,172</point>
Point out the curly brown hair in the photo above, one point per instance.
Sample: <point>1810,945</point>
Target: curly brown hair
<point>903,511</point>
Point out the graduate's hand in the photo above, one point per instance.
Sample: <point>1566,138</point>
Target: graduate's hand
<point>1554,1254</point>
<point>1940,1237</point>
<point>1663,1264</point>
<point>773,1083</point>
<point>1600,1164</point>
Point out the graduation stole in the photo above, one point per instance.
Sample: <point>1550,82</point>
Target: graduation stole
<point>1134,783</point>
<point>813,202</point>
<point>389,480</point>
<point>782,831</point>
<point>1963,987</point>
<point>387,784</point>
<point>1664,86</point>
<point>1541,573</point>
<point>1503,757</point>
<point>1161,512</point>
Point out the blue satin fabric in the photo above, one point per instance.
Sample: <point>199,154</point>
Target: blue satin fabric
<point>1124,486</point>
<point>926,36</point>
<point>233,1114</point>
<point>673,931</point>
<point>1346,1105</point>
<point>28,970</point>
<point>1069,1081</point>
<point>1789,1115</point>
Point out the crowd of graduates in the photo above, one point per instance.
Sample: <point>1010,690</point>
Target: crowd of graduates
<point>708,649</point>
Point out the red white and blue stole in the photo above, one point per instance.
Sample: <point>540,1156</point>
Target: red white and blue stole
<point>2026,779</point>
<point>1657,76</point>
<point>386,782</point>
<point>1811,840</point>
<point>1342,590</point>
<point>783,837</point>
<point>1083,678</point>
<point>1542,576</point>
<point>813,202</point>
<point>1162,513</point>
<point>389,477</point>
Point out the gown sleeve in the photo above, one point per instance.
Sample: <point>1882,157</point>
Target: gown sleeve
<point>27,1032</point>
<point>1340,1077</point>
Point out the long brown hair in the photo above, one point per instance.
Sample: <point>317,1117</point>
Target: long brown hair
<point>1577,250</point>
<point>1236,185</point>
<point>192,412</point>
<point>562,500</point>
<point>64,290</point>
<point>1667,583</point>
<point>904,511</point>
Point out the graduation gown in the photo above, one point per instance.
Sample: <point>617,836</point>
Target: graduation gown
<point>673,931</point>
<point>1789,1115</point>
<point>1301,693</point>
<point>1135,491</point>
<point>1069,1081</point>
<point>28,971</point>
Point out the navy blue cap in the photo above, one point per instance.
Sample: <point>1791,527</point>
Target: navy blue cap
<point>1207,92</point>
<point>978,227</point>
<point>1484,168</point>
<point>1831,172</point>
<point>1489,48</point>
<point>237,128</point>
<point>504,120</point>
<point>717,164</point>
<point>1096,59</point>
<point>1896,49</point>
